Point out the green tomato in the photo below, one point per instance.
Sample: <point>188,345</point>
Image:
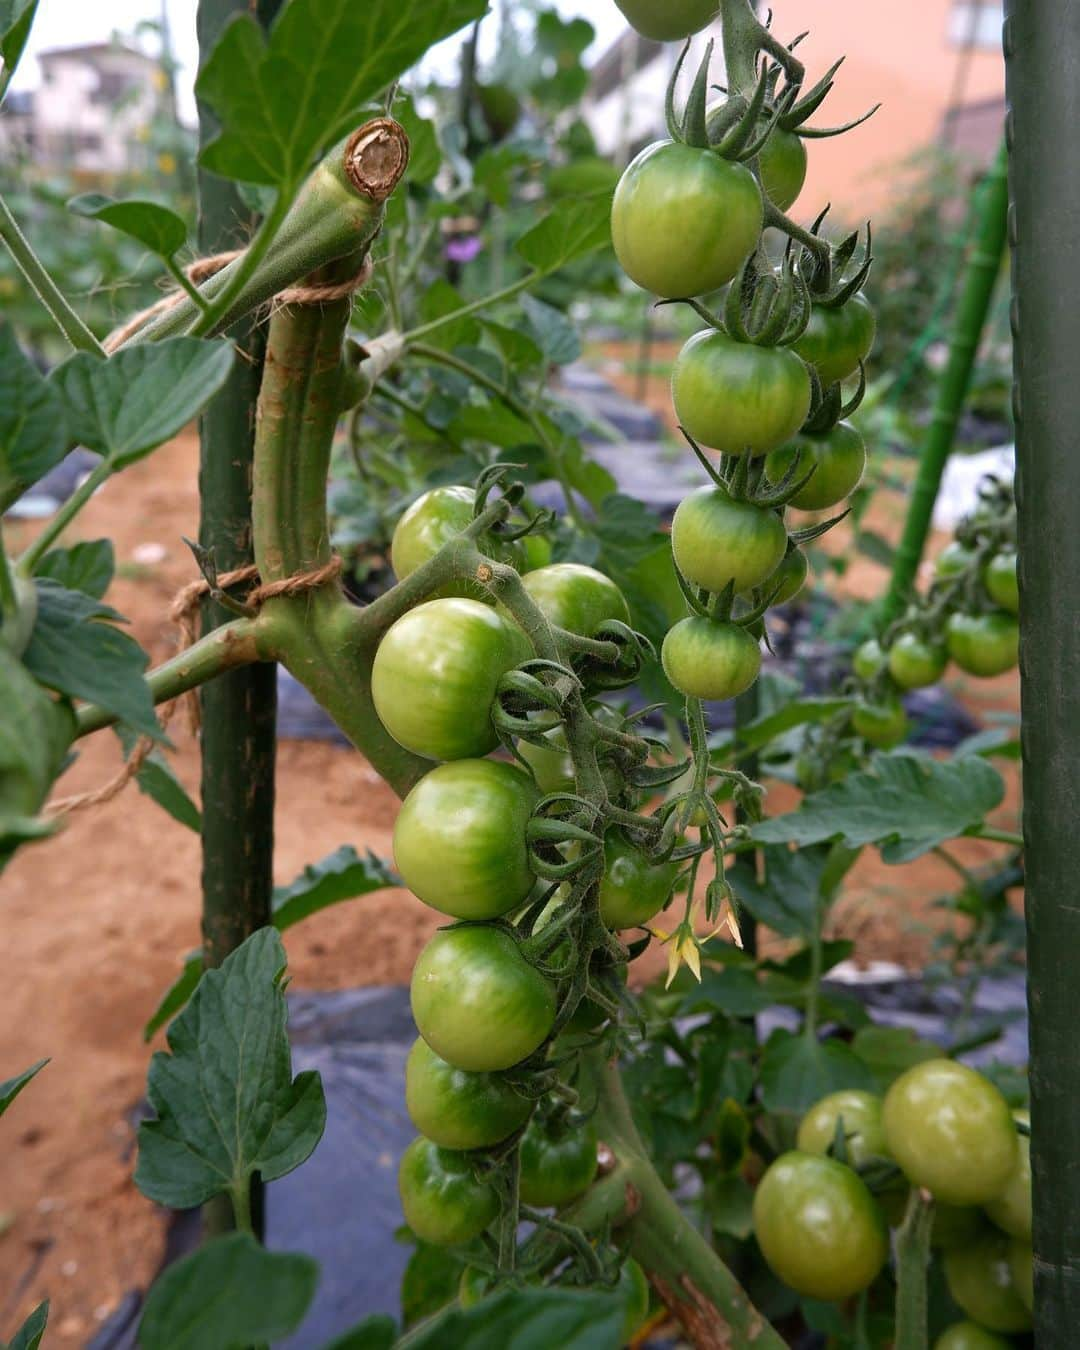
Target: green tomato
<point>980,1281</point>
<point>791,574</point>
<point>456,1109</point>
<point>869,659</point>
<point>782,161</point>
<point>711,659</point>
<point>440,1196</point>
<point>953,559</point>
<point>575,597</point>
<point>736,397</point>
<point>668,20</point>
<point>477,1001</point>
<point>983,644</point>
<point>1022,1270</point>
<point>999,578</point>
<point>717,539</point>
<point>818,1226</point>
<point>880,724</point>
<point>633,887</point>
<point>556,1165</point>
<point>711,206</point>
<point>432,521</point>
<point>950,1130</point>
<point>969,1336</point>
<point>1011,1210</point>
<point>435,675</point>
<point>837,339</point>
<point>863,1132</point>
<point>838,459</point>
<point>459,838</point>
<point>915,662</point>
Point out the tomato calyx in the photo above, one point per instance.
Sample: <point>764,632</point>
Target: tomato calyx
<point>745,124</point>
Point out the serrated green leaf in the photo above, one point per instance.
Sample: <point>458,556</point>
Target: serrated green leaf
<point>517,348</point>
<point>572,230</point>
<point>141,396</point>
<point>176,995</point>
<point>157,781</point>
<point>33,431</point>
<point>528,1319</point>
<point>284,101</point>
<point>787,897</point>
<point>156,227</point>
<point>555,334</point>
<point>87,566</point>
<point>438,300</point>
<point>797,1071</point>
<point>341,875</point>
<point>16,20</point>
<point>226,1102</point>
<point>11,1087</point>
<point>890,1051</point>
<point>905,804</point>
<point>229,1294</point>
<point>77,650</point>
<point>28,1336</point>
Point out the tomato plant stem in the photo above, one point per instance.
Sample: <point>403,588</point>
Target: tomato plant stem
<point>64,516</point>
<point>912,1259</point>
<point>473,307</point>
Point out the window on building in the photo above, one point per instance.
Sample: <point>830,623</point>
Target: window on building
<point>976,23</point>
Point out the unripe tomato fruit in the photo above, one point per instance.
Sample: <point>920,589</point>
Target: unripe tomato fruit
<point>791,574</point>
<point>969,1336</point>
<point>981,1284</point>
<point>477,1001</point>
<point>869,659</point>
<point>950,1130</point>
<point>983,644</point>
<point>456,1109</point>
<point>837,339</point>
<point>459,838</point>
<point>633,887</point>
<point>575,597</point>
<point>818,1226</point>
<point>953,559</point>
<point>683,219</point>
<point>717,539</point>
<point>999,578</point>
<point>441,1198</point>
<point>668,20</point>
<point>1022,1270</point>
<point>738,398</point>
<point>863,1131</point>
<point>838,459</point>
<point>556,1167</point>
<point>914,662</point>
<point>707,658</point>
<point>880,724</point>
<point>1011,1210</point>
<point>435,674</point>
<point>782,162</point>
<point>432,521</point>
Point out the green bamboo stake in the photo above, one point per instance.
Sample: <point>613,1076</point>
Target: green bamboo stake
<point>980,276</point>
<point>1042,74</point>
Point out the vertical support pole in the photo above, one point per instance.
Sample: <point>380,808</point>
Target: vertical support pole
<point>1042,63</point>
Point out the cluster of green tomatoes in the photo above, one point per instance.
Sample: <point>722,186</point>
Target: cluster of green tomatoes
<point>943,1129</point>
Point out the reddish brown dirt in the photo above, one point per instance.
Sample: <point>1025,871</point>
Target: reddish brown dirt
<point>96,919</point>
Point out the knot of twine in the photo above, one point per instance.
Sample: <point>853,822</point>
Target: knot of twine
<point>202,268</point>
<point>183,612</point>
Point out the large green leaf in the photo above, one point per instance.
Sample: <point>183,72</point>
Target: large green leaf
<point>906,804</point>
<point>230,1294</point>
<point>556,336</point>
<point>28,1336</point>
<point>787,898</point>
<point>141,396</point>
<point>86,566</point>
<point>528,1319</point>
<point>377,1332</point>
<point>16,20</point>
<point>33,433</point>
<point>572,230</point>
<point>798,1070</point>
<point>35,733</point>
<point>341,875</point>
<point>11,1087</point>
<point>156,227</point>
<point>77,650</point>
<point>281,103</point>
<point>227,1104</point>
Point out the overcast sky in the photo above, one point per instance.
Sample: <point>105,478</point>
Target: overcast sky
<point>65,23</point>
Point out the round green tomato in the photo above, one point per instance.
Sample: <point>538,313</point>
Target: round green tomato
<point>537,552</point>
<point>953,559</point>
<point>869,659</point>
<point>556,1166</point>
<point>459,838</point>
<point>983,644</point>
<point>575,597</point>
<point>1022,1270</point>
<point>456,1109</point>
<point>999,578</point>
<point>880,724</point>
<point>782,161</point>
<point>435,675</point>
<point>683,219</point>
<point>791,574</point>
<point>863,1133</point>
<point>981,1284</point>
<point>432,521</point>
<point>950,1130</point>
<point>477,1001</point>
<point>707,658</point>
<point>818,1226</point>
<point>1011,1210</point>
<point>668,20</point>
<point>837,339</point>
<point>441,1198</point>
<point>717,539</point>
<point>838,459</point>
<point>633,887</point>
<point>969,1336</point>
<point>738,398</point>
<point>914,662</point>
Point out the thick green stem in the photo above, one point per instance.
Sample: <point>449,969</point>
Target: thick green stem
<point>912,1259</point>
<point>980,276</point>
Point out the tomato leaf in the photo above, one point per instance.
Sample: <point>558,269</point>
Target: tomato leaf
<point>282,102</point>
<point>33,432</point>
<point>528,1319</point>
<point>377,1332</point>
<point>572,230</point>
<point>890,1051</point>
<point>787,898</point>
<point>555,335</point>
<point>231,1292</point>
<point>157,780</point>
<point>176,995</point>
<point>11,1087</point>
<point>87,566</point>
<point>430,1282</point>
<point>341,875</point>
<point>28,1336</point>
<point>16,20</point>
<point>227,1104</point>
<point>156,227</point>
<point>905,804</point>
<point>141,396</point>
<point>797,1071</point>
<point>35,733</point>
